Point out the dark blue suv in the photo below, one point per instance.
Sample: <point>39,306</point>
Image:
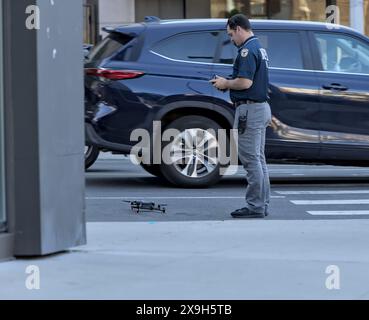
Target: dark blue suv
<point>160,71</point>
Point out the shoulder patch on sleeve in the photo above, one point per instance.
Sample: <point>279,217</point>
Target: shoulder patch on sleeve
<point>244,53</point>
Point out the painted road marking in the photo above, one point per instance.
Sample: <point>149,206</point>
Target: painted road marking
<point>340,213</point>
<point>324,192</point>
<point>317,202</point>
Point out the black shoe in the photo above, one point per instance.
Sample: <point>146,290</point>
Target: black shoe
<point>246,213</point>
<point>266,213</point>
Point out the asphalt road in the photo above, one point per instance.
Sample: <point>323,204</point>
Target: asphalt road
<point>298,193</point>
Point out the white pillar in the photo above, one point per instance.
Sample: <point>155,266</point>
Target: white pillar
<point>357,15</point>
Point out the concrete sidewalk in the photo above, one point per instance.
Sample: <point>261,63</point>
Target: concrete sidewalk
<point>203,260</point>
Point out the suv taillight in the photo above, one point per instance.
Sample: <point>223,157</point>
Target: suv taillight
<point>114,74</point>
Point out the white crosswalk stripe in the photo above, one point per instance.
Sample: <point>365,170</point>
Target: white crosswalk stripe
<point>331,211</point>
<point>325,202</point>
<point>339,213</point>
<point>322,192</point>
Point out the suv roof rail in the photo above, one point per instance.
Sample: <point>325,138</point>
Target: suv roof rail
<point>152,19</point>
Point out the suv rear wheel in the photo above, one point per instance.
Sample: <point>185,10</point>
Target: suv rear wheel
<point>194,160</point>
<point>91,155</point>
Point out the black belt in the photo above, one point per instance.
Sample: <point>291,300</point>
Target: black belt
<point>238,103</point>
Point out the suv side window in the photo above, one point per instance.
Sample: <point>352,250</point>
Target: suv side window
<point>342,53</point>
<point>192,47</point>
<point>283,48</point>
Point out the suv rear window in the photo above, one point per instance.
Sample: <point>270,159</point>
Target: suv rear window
<point>192,47</point>
<point>110,46</point>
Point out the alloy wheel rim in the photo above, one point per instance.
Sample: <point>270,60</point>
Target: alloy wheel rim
<point>194,153</point>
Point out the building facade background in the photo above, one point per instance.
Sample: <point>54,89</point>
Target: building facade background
<point>100,13</point>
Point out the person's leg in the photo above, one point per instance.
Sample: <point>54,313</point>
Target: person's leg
<point>249,152</point>
<point>266,181</point>
<point>267,122</point>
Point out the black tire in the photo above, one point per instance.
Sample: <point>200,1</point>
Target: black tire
<point>91,155</point>
<point>153,169</point>
<point>173,175</point>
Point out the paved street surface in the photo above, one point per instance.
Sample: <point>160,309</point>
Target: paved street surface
<point>298,192</point>
<point>314,245</point>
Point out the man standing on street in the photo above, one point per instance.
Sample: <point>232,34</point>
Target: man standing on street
<point>249,93</point>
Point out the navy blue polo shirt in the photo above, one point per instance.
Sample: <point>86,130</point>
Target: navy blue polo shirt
<point>251,63</point>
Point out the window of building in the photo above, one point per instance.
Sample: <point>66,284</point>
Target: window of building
<point>308,10</point>
<point>341,53</point>
<point>344,6</point>
<point>311,10</point>
<point>194,47</point>
<point>283,48</point>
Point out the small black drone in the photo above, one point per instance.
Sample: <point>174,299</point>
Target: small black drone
<point>139,206</point>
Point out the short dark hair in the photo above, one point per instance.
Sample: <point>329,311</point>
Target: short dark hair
<point>239,20</point>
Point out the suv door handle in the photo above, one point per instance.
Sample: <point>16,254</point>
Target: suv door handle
<point>335,86</point>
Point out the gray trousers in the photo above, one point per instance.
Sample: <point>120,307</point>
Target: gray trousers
<point>251,150</point>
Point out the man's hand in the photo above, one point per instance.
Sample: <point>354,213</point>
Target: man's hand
<point>220,83</point>
<point>234,84</point>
